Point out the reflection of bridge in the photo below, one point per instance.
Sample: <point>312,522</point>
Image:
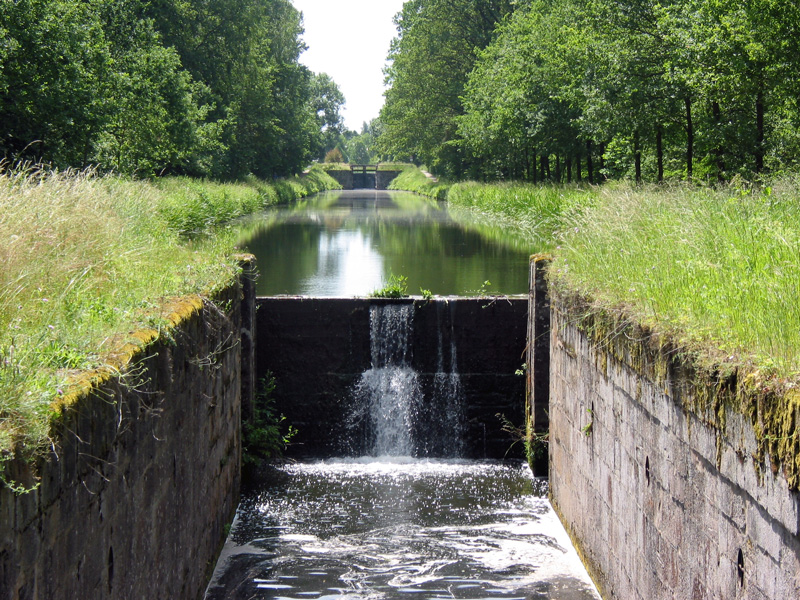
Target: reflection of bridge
<point>364,176</point>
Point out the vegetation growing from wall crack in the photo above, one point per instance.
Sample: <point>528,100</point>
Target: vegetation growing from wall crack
<point>265,435</point>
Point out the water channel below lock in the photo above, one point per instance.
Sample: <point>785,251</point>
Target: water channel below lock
<point>399,528</point>
<point>389,525</point>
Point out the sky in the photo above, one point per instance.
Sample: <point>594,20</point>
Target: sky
<point>349,40</point>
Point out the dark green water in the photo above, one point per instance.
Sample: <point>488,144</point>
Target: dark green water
<point>343,244</point>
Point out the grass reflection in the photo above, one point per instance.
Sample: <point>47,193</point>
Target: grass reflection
<point>328,235</point>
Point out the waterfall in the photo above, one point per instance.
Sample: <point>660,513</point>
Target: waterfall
<point>398,411</point>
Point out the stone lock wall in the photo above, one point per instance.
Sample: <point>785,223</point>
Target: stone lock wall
<point>144,475</point>
<point>347,181</point>
<point>317,348</point>
<point>659,484</point>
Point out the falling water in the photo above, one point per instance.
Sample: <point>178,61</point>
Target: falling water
<point>441,427</point>
<point>399,412</point>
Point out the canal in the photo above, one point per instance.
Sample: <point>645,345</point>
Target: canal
<point>348,243</point>
<point>392,523</point>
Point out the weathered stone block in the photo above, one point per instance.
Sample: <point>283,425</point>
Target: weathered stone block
<point>134,501</point>
<point>663,495</point>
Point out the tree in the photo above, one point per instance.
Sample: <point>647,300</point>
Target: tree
<point>154,86</point>
<point>326,102</point>
<point>55,70</point>
<point>431,59</point>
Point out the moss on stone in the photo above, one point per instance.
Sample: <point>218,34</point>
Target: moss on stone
<point>124,351</point>
<point>710,392</point>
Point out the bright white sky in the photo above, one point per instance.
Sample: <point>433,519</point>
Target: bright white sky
<point>349,40</point>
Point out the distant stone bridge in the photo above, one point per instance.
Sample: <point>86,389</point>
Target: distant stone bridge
<point>364,177</point>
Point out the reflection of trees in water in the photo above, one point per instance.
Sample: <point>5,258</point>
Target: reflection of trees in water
<point>412,235</point>
<point>449,259</point>
<point>286,254</point>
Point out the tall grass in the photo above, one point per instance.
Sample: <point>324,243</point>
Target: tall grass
<point>83,259</point>
<point>414,180</point>
<point>717,270</point>
<point>537,212</point>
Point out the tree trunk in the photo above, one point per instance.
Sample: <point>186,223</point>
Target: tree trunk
<point>760,130</point>
<point>578,168</point>
<point>589,165</point>
<point>719,151</point>
<point>601,161</point>
<point>637,157</point>
<point>660,152</point>
<point>569,169</point>
<point>689,139</point>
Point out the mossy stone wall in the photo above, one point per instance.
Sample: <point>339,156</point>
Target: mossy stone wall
<point>661,473</point>
<point>144,473</point>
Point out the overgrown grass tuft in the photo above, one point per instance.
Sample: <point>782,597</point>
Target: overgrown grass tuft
<point>413,179</point>
<point>84,258</point>
<point>719,271</point>
<point>537,212</point>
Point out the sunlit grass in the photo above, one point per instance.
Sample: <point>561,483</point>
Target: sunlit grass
<point>537,212</point>
<point>414,180</point>
<point>717,270</point>
<point>84,259</point>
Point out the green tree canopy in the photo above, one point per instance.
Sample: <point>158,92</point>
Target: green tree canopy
<point>153,86</point>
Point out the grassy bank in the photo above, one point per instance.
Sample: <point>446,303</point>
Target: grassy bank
<point>414,180</point>
<point>84,259</point>
<point>716,270</point>
<point>538,213</point>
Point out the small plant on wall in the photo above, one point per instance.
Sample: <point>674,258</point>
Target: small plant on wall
<point>587,429</point>
<point>396,287</point>
<point>535,442</point>
<point>266,435</point>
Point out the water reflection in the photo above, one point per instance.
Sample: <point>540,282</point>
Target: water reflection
<point>367,528</point>
<point>349,243</point>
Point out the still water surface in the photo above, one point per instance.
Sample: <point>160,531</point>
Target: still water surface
<point>342,244</point>
<point>399,528</point>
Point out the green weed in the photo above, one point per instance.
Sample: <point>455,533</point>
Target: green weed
<point>396,287</point>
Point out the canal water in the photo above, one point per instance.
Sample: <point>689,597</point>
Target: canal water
<point>393,524</point>
<point>399,528</point>
<point>344,244</point>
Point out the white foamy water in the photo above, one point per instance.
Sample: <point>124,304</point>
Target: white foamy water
<point>399,528</point>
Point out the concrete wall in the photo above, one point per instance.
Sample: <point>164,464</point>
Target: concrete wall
<point>382,179</point>
<point>344,177</point>
<point>317,348</point>
<point>655,470</point>
<point>144,477</point>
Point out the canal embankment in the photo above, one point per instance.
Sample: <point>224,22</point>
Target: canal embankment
<point>142,479</point>
<point>673,481</point>
<point>123,368</point>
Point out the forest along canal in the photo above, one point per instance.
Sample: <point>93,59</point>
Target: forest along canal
<point>344,244</point>
<point>388,525</point>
